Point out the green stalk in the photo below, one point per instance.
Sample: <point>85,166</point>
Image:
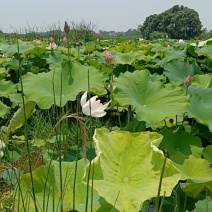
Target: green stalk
<point>206,192</point>
<point>69,60</point>
<point>59,144</point>
<point>160,183</point>
<point>160,209</point>
<point>115,202</point>
<point>26,129</point>
<point>90,133</point>
<point>184,204</point>
<point>186,90</point>
<point>76,163</point>
<point>129,114</point>
<point>119,118</point>
<point>59,141</point>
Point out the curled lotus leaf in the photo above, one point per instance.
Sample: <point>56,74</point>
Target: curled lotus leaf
<point>128,167</point>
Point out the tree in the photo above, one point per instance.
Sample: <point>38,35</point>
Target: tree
<point>178,22</point>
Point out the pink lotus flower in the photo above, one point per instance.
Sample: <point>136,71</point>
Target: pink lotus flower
<point>93,107</point>
<point>188,80</point>
<point>108,57</point>
<point>65,40</point>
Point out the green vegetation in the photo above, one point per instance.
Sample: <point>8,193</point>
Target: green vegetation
<point>179,22</point>
<point>88,124</point>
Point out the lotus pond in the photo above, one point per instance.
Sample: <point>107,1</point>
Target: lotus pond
<point>106,125</point>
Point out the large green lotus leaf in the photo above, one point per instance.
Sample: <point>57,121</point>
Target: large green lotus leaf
<point>207,153</point>
<point>151,101</point>
<point>46,181</point>
<point>180,141</point>
<point>18,119</point>
<point>124,58</point>
<point>201,110</point>
<point>172,55</point>
<point>204,93</point>
<point>37,50</point>
<point>7,88</point>
<point>16,99</point>
<point>3,72</point>
<point>205,51</point>
<point>177,71</point>
<point>201,43</point>
<point>43,88</point>
<point>55,57</point>
<point>3,109</point>
<point>128,166</point>
<point>192,50</point>
<point>197,190</point>
<point>203,205</point>
<point>9,50</point>
<point>207,64</point>
<point>196,169</point>
<point>124,48</point>
<point>204,80</point>
<point>4,60</point>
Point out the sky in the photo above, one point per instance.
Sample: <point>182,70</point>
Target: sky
<point>106,15</point>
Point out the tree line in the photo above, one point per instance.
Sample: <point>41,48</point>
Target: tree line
<point>178,22</point>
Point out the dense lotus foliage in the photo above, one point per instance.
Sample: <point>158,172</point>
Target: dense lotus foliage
<point>153,148</point>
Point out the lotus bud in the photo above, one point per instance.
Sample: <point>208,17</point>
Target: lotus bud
<point>2,145</point>
<point>108,57</point>
<point>37,41</point>
<point>65,40</point>
<point>167,37</point>
<point>188,80</point>
<point>181,41</point>
<point>197,42</point>
<point>51,39</point>
<point>66,28</point>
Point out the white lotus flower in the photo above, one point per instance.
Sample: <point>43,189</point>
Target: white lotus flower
<point>2,145</point>
<point>52,45</point>
<point>93,107</point>
<point>181,41</point>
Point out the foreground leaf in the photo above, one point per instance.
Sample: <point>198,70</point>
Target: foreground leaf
<point>128,166</point>
<point>47,189</point>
